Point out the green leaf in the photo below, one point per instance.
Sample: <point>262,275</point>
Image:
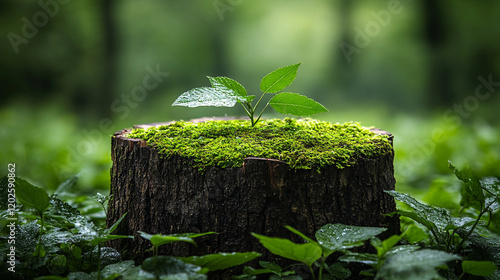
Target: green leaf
<point>271,266</point>
<point>307,253</point>
<point>121,268</point>
<point>296,104</point>
<point>279,78</point>
<point>338,270</point>
<point>206,96</point>
<point>115,225</point>
<point>31,196</point>
<point>87,230</point>
<point>419,219</point>
<point>479,268</point>
<point>173,267</point>
<point>492,187</point>
<point>414,234</point>
<point>159,239</point>
<point>472,193</point>
<point>337,237</point>
<point>402,248</point>
<point>420,264</point>
<point>385,246</point>
<point>102,199</point>
<point>427,215</point>
<point>81,276</point>
<point>369,259</point>
<point>221,260</point>
<point>229,85</point>
<point>68,184</point>
<point>300,234</point>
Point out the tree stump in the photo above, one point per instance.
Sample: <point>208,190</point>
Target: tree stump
<point>168,195</point>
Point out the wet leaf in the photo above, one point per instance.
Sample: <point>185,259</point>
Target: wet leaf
<point>420,264</point>
<point>472,193</point>
<point>85,229</point>
<point>171,267</point>
<point>108,256</point>
<point>206,96</point>
<point>31,196</point>
<point>339,237</point>
<point>120,267</point>
<point>431,217</point>
<point>230,86</point>
<point>369,259</point>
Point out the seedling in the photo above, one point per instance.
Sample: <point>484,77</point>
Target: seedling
<point>226,92</point>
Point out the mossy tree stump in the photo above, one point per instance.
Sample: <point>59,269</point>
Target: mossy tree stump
<point>169,194</point>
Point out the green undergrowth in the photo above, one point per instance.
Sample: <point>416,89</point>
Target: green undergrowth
<point>303,144</point>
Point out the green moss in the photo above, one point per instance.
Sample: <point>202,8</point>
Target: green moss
<point>303,144</point>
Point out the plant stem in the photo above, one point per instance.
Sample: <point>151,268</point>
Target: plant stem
<point>260,115</point>
<point>312,272</point>
<point>99,261</point>
<point>320,276</point>
<point>473,227</point>
<point>258,101</point>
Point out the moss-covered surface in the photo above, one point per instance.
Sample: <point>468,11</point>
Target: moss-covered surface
<point>303,144</point>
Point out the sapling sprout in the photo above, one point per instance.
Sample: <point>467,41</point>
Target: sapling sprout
<point>226,92</point>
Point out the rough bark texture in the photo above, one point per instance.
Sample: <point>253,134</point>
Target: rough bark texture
<point>168,195</point>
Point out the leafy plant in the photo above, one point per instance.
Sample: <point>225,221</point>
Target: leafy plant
<point>460,235</point>
<point>437,243</point>
<point>330,238</point>
<point>34,197</point>
<point>226,92</point>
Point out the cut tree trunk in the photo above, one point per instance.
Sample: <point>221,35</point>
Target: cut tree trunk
<point>167,195</point>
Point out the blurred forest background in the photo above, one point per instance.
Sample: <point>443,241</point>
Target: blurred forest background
<point>73,72</point>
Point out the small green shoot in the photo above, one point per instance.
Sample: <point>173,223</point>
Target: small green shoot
<point>226,92</point>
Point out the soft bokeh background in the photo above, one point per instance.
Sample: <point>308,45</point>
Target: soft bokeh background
<point>74,72</point>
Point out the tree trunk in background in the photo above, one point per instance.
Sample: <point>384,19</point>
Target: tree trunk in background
<point>168,195</point>
<point>440,91</point>
<point>109,55</point>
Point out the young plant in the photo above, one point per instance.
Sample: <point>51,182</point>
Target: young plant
<point>36,198</point>
<point>226,92</point>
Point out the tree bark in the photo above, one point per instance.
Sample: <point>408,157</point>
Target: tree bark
<point>167,195</point>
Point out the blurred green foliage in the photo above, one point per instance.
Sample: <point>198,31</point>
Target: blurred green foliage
<point>85,69</point>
